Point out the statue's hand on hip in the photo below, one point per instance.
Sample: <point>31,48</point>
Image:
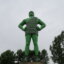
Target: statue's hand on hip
<point>38,28</point>
<point>25,29</point>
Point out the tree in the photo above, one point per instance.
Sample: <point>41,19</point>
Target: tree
<point>57,49</point>
<point>7,57</point>
<point>19,55</point>
<point>44,56</point>
<point>0,59</point>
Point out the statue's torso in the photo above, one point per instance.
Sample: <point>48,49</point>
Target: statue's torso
<point>31,25</point>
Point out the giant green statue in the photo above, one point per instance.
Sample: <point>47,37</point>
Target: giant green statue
<point>31,31</point>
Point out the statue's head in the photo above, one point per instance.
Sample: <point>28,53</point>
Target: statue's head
<point>31,14</point>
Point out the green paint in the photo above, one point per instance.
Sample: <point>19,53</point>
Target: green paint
<point>31,31</point>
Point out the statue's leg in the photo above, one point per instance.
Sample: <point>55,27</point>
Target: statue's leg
<point>35,41</point>
<point>28,39</point>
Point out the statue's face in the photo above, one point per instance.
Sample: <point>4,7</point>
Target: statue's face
<point>31,13</point>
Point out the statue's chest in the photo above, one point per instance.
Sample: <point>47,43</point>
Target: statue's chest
<point>31,26</point>
<point>31,23</point>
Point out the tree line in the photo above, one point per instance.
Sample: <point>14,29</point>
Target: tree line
<point>9,57</point>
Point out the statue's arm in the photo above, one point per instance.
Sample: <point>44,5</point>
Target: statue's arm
<point>43,25</point>
<point>22,24</point>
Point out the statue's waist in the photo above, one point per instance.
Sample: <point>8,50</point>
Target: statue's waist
<point>31,30</point>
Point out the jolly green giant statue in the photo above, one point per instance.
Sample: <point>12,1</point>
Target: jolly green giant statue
<point>31,31</point>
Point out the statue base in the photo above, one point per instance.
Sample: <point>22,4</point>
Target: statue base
<point>31,63</point>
